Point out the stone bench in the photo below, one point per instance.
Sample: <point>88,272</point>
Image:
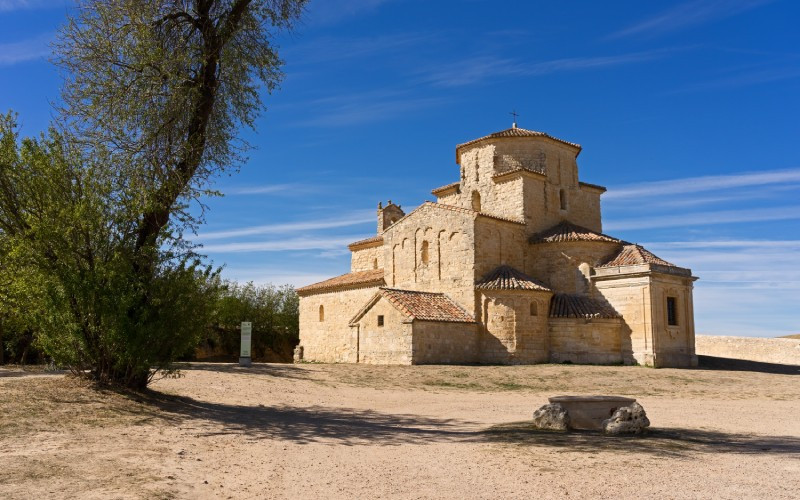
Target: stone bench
<point>589,412</point>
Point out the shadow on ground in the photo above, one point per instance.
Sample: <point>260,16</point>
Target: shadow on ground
<point>282,370</point>
<point>346,426</point>
<point>659,441</point>
<point>715,363</point>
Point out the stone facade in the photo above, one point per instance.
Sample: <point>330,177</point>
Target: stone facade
<point>509,265</point>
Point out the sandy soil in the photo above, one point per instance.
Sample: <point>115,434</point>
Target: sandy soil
<point>351,431</point>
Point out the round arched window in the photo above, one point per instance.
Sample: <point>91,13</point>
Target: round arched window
<point>476,201</point>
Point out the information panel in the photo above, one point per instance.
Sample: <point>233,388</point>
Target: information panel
<point>247,331</point>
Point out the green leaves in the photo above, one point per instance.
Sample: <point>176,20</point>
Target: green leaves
<point>92,214</point>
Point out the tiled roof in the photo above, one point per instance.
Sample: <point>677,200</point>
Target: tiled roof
<point>566,231</point>
<point>512,171</point>
<point>456,209</point>
<point>427,306</point>
<point>470,211</point>
<point>514,132</point>
<point>373,277</point>
<point>367,241</point>
<point>563,305</point>
<point>508,278</point>
<point>445,188</point>
<point>596,186</point>
<point>633,254</point>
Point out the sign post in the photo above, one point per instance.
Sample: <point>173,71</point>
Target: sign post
<point>244,354</point>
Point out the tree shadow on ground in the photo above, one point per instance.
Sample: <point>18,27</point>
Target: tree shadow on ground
<point>347,426</point>
<point>715,363</point>
<point>272,369</point>
<point>676,442</point>
<point>304,425</point>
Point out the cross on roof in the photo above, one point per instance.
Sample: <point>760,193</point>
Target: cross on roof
<point>515,115</point>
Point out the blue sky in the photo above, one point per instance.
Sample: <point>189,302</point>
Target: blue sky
<point>687,111</point>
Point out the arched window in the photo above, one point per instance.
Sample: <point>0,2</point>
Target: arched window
<point>424,257</point>
<point>321,313</point>
<point>562,196</point>
<point>534,308</point>
<point>476,201</point>
<point>375,264</point>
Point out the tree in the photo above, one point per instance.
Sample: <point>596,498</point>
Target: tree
<point>273,312</point>
<point>95,211</point>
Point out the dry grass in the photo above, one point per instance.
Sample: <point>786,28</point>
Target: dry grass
<point>639,381</point>
<point>293,430</point>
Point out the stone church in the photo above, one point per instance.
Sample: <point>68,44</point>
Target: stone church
<point>509,265</point>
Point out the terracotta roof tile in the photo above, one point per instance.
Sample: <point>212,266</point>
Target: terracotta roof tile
<point>427,306</point>
<point>456,209</point>
<point>563,305</point>
<point>373,277</point>
<point>367,241</point>
<point>566,231</point>
<point>508,278</point>
<point>515,170</point>
<point>513,132</point>
<point>632,254</point>
<point>445,188</point>
<point>595,186</point>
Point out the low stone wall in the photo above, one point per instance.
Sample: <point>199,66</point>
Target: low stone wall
<point>764,350</point>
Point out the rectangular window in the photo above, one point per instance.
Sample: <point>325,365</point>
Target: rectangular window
<point>672,312</point>
<point>380,320</point>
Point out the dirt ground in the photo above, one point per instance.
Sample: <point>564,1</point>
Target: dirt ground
<point>355,431</point>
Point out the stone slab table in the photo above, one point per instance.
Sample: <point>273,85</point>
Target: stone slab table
<point>588,412</point>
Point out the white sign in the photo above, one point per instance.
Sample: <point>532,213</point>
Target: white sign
<point>247,330</point>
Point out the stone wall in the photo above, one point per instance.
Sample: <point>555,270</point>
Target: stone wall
<point>579,340</point>
<point>368,258</point>
<point>558,265</point>
<point>513,330</point>
<point>431,251</point>
<point>640,295</point>
<point>331,340</point>
<point>436,342</point>
<point>387,344</point>
<point>780,351</point>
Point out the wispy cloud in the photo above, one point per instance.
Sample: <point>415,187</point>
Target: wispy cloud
<point>705,218</point>
<point>486,67</point>
<point>328,49</point>
<point>704,183</point>
<point>270,189</point>
<point>346,220</point>
<point>25,50</point>
<point>745,285</point>
<point>14,5</point>
<point>743,79</point>
<point>366,107</point>
<point>688,14</point>
<point>283,244</point>
<point>325,12</point>
<point>759,244</point>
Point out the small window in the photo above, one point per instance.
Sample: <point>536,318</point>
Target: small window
<point>477,174</point>
<point>321,313</point>
<point>375,264</point>
<point>380,320</point>
<point>424,252</point>
<point>534,309</point>
<point>562,195</point>
<point>672,312</point>
<point>476,201</point>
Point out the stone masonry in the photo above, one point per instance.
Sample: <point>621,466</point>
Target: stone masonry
<point>509,265</point>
